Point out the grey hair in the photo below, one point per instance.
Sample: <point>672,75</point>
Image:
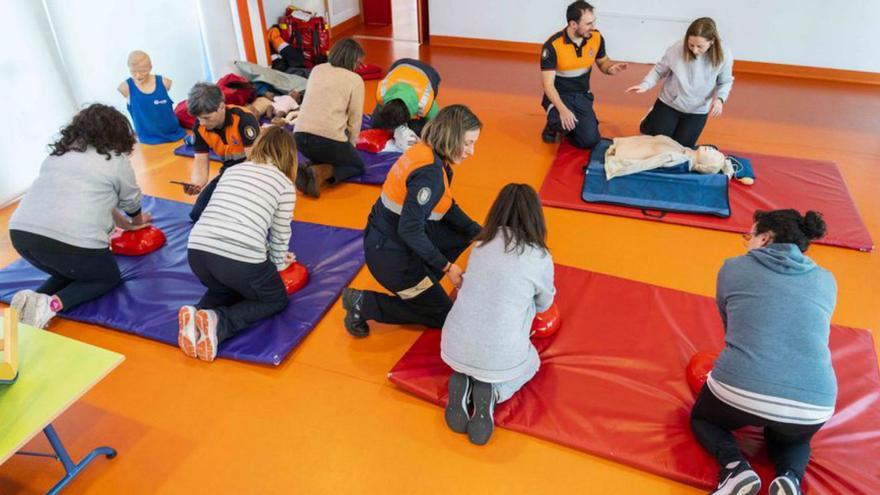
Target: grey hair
<point>203,98</point>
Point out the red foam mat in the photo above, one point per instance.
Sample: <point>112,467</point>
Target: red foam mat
<point>612,383</point>
<point>781,182</point>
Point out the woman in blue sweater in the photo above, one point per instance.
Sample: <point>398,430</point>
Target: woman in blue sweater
<point>775,371</point>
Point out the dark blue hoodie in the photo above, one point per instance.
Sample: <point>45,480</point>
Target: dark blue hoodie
<point>776,305</point>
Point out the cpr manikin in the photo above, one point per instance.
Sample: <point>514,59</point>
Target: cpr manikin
<point>629,155</point>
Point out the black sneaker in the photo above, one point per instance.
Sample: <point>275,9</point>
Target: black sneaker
<point>482,423</point>
<point>457,408</point>
<point>549,136</point>
<point>352,299</point>
<point>737,478</point>
<point>787,484</point>
<point>302,179</point>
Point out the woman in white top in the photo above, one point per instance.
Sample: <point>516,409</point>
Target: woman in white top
<point>699,76</point>
<point>239,245</point>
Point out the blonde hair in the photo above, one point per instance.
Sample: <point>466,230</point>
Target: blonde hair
<point>704,27</point>
<point>275,146</point>
<point>445,132</point>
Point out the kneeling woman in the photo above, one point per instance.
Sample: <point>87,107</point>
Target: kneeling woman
<point>775,370</point>
<point>69,239</point>
<point>486,335</point>
<point>330,120</point>
<point>699,76</point>
<point>416,230</point>
<point>239,245</point>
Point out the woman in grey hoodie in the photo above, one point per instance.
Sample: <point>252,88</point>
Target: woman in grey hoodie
<point>699,77</point>
<point>775,371</point>
<point>485,338</point>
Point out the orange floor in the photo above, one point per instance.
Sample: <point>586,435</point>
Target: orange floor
<point>327,421</point>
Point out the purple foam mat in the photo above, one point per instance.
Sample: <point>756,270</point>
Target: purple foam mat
<point>156,285</point>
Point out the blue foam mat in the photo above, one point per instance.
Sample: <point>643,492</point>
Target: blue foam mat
<point>157,284</point>
<point>672,189</point>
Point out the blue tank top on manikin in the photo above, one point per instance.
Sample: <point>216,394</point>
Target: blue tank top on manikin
<point>153,114</point>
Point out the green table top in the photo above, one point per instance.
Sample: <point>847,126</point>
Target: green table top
<point>53,372</point>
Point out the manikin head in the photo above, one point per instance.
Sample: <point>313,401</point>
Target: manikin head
<point>140,66</point>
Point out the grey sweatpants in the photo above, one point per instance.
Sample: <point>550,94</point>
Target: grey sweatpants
<point>505,390</point>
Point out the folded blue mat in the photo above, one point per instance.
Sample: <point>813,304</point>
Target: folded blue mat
<point>377,164</point>
<point>665,189</point>
<point>157,284</point>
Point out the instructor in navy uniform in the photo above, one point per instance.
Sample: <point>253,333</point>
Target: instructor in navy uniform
<point>416,230</point>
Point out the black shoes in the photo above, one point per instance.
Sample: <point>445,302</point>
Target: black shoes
<point>352,301</point>
<point>549,136</point>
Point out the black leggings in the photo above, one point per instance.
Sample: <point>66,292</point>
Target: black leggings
<point>341,155</point>
<point>240,293</point>
<point>76,274</point>
<point>712,421</point>
<point>667,121</point>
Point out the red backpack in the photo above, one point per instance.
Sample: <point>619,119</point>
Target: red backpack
<point>312,37</point>
<point>181,111</point>
<point>236,90</point>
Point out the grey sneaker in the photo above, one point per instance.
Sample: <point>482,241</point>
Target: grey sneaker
<point>22,303</point>
<point>458,406</point>
<point>482,423</point>
<point>39,305</point>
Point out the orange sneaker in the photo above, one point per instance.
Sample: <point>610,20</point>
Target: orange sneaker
<point>274,37</point>
<point>206,323</point>
<point>187,334</point>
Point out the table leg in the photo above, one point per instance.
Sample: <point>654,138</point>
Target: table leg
<point>71,468</point>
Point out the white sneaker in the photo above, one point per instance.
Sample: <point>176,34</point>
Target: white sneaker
<point>187,334</point>
<point>206,323</point>
<point>22,304</point>
<point>42,315</point>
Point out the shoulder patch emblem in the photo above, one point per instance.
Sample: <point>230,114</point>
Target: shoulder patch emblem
<point>424,195</point>
<point>250,132</point>
<point>544,54</point>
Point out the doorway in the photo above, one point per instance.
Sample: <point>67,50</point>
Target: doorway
<point>398,20</point>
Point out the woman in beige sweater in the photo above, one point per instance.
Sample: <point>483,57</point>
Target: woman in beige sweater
<point>330,120</point>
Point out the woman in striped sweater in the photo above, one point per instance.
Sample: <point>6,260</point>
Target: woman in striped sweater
<point>239,245</point>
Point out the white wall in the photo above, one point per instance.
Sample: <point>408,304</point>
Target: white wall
<point>343,10</point>
<point>840,35</point>
<point>340,10</point>
<point>36,102</point>
<point>95,37</point>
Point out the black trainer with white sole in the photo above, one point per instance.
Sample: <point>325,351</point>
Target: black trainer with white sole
<point>355,324</point>
<point>787,484</point>
<point>482,423</point>
<point>458,405</point>
<point>738,478</point>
